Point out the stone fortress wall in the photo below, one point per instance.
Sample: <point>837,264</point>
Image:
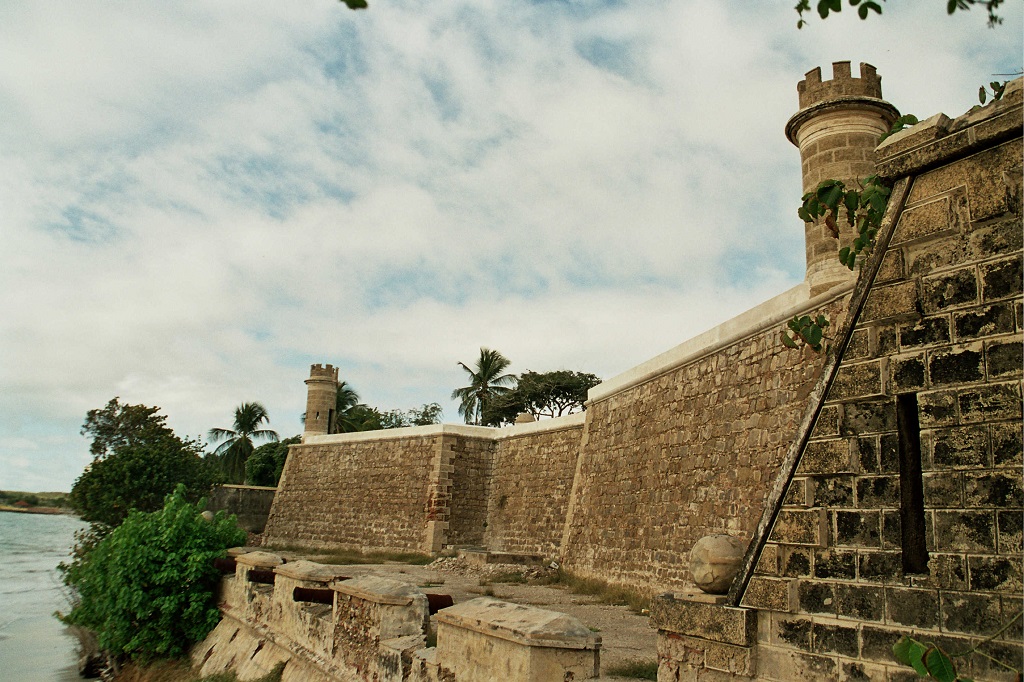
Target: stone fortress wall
<point>809,458</point>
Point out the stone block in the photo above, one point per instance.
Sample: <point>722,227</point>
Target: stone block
<point>796,561</point>
<point>892,267</point>
<point>791,632</point>
<point>1006,445</point>
<point>1010,532</point>
<point>993,489</point>
<point>866,454</point>
<point>827,423</point>
<point>786,664</point>
<point>718,623</point>
<point>983,321</point>
<point>906,373</point>
<point>800,493</point>
<point>774,594</point>
<point>970,531</point>
<point>833,491</point>
<point>487,639</point>
<point>860,601</point>
<point>928,331</point>
<point>800,527</point>
<point>943,489</point>
<point>864,417</point>
<point>1002,279</point>
<point>880,567</point>
<point>990,403</point>
<point>860,380</point>
<point>926,221</point>
<point>826,457</point>
<point>958,365</point>
<point>1003,359</point>
<point>858,528</point>
<point>965,446</point>
<point>890,301</point>
<point>938,408</point>
<point>834,564</point>
<point>815,597</point>
<point>970,612</point>
<point>917,608</point>
<point>729,658</point>
<point>950,290</point>
<point>878,491</point>
<point>835,639</point>
<point>995,574</point>
<point>768,562</point>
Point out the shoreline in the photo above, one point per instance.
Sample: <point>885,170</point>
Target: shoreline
<point>36,510</point>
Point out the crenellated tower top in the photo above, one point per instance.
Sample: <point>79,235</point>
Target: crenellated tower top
<point>319,371</point>
<point>837,129</point>
<point>813,90</point>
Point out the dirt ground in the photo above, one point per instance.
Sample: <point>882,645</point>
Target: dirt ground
<point>625,635</point>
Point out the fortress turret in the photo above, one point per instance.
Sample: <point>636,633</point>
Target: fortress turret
<point>321,399</point>
<point>837,130</point>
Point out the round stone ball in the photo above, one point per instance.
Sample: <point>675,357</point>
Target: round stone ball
<point>715,561</point>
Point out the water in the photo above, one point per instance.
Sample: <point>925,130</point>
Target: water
<point>35,646</point>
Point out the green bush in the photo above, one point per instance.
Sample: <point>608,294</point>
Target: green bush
<point>148,588</point>
<point>139,475</point>
<point>266,462</point>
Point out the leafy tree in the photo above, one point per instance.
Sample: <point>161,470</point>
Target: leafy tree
<point>238,442</point>
<point>138,475</point>
<point>865,7</point>
<point>346,417</point>
<point>266,463</point>
<point>430,413</point>
<point>117,425</point>
<point>486,381</point>
<point>542,394</point>
<point>148,588</point>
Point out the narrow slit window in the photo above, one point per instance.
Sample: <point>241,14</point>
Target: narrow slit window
<point>912,526</point>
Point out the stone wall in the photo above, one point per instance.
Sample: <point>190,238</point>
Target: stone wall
<point>688,451</point>
<point>530,486</point>
<point>933,377</point>
<point>471,461</point>
<point>351,492</point>
<point>249,503</point>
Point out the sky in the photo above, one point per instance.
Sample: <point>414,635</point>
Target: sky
<point>200,199</point>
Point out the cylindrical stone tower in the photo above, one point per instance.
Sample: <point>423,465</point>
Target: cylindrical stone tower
<point>321,399</point>
<point>837,130</point>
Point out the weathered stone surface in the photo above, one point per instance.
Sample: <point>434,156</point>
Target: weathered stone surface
<point>714,561</point>
<point>724,624</point>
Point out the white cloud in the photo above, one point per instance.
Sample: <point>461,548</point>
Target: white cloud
<point>197,201</point>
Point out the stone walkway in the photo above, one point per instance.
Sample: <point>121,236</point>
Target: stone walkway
<point>625,635</point>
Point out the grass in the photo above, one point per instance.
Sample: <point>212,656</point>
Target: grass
<point>606,594</point>
<point>636,669</point>
<point>508,577</point>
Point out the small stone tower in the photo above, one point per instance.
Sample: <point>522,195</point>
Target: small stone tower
<point>837,130</point>
<point>321,399</point>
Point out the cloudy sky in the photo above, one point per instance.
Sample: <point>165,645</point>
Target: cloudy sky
<point>199,199</point>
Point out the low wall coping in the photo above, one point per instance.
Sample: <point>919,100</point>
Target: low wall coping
<point>715,622</point>
<point>772,312</point>
<point>259,560</point>
<point>432,430</point>
<point>379,590</point>
<point>235,486</point>
<point>311,571</point>
<point>235,552</point>
<point>526,625</point>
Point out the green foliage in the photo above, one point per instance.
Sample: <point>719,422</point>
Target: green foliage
<point>542,394</point>
<point>866,7</point>
<point>486,382</point>
<point>809,330</point>
<point>138,475</point>
<point>904,121</point>
<point>238,441</point>
<point>355,4</point>
<point>863,208</point>
<point>118,425</point>
<point>997,91</point>
<point>929,660</point>
<point>148,587</point>
<point>266,463</point>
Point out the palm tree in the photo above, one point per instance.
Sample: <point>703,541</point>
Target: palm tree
<point>346,416</point>
<point>237,445</point>
<point>485,382</point>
